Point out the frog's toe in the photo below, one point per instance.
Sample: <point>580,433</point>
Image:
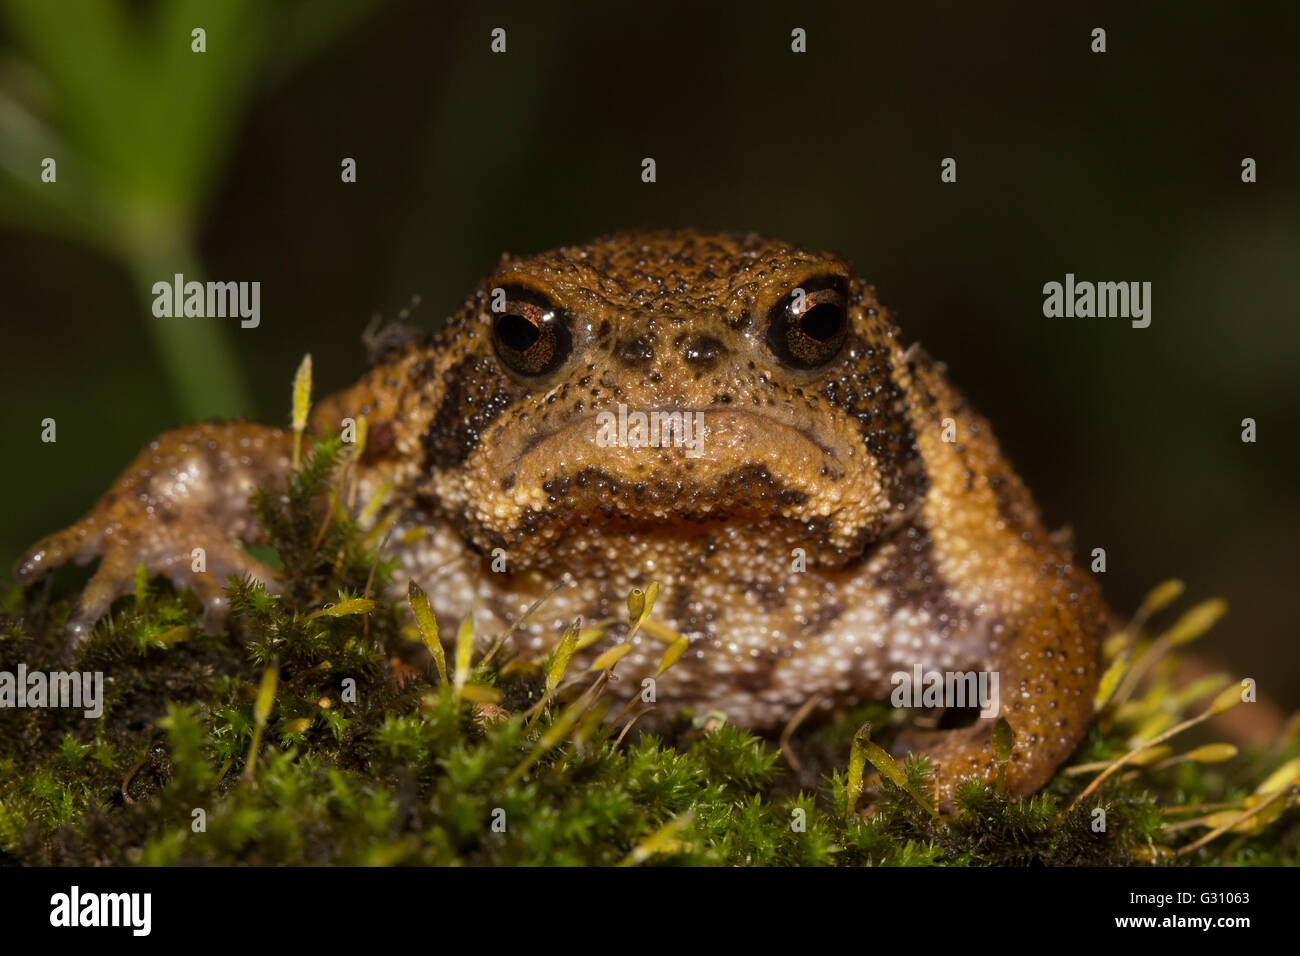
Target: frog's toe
<point>204,569</point>
<point>114,578</point>
<point>965,753</point>
<point>76,635</point>
<point>32,564</point>
<point>79,542</point>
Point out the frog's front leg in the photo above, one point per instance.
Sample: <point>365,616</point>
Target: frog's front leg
<point>189,488</point>
<point>1045,618</point>
<point>1045,659</point>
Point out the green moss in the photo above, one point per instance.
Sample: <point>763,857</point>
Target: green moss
<point>355,765</point>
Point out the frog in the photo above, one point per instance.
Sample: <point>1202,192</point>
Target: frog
<point>823,510</point>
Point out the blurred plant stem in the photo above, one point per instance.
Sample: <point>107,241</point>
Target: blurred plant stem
<point>197,355</point>
<point>115,120</point>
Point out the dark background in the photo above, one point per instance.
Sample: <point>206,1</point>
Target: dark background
<point>1119,166</point>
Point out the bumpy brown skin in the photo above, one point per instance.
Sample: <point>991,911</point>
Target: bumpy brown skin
<point>918,550</point>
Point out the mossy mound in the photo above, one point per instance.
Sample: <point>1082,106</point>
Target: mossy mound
<point>313,742</point>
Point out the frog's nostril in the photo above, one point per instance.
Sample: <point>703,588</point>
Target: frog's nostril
<point>703,352</point>
<point>635,353</point>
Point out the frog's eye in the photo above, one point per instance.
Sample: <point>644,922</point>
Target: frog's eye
<point>531,335</point>
<point>807,327</point>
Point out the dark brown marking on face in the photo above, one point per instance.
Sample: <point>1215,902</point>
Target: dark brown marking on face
<point>752,482</point>
<point>867,391</point>
<point>592,493</point>
<point>476,393</point>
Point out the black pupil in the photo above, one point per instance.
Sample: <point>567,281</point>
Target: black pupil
<point>517,333</point>
<point>821,322</point>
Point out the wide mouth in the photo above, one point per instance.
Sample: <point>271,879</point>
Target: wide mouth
<point>659,464</point>
<point>713,435</point>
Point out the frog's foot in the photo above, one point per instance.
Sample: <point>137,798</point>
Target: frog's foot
<point>1047,675</point>
<point>957,755</point>
<point>193,555</point>
<point>180,511</point>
